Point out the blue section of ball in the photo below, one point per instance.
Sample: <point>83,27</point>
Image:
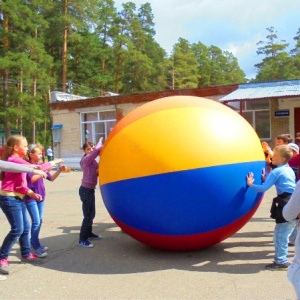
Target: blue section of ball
<point>185,202</point>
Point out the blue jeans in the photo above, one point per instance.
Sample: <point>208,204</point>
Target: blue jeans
<point>16,213</point>
<point>282,233</point>
<point>87,197</point>
<point>36,212</point>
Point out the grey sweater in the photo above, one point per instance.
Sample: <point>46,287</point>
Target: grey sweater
<point>291,211</point>
<point>14,168</point>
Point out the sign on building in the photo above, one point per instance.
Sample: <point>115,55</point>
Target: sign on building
<point>282,113</point>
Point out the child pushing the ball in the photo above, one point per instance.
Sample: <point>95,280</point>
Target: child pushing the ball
<point>283,177</point>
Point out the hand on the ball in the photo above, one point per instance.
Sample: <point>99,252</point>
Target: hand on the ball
<point>101,141</point>
<point>250,179</point>
<point>263,175</point>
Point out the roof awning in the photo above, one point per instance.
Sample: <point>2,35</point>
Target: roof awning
<point>57,126</point>
<point>263,90</point>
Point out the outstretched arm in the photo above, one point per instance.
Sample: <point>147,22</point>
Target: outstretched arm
<point>7,166</point>
<point>90,157</point>
<point>57,173</point>
<point>262,187</point>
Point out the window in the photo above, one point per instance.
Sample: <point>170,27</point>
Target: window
<point>97,124</point>
<point>262,124</point>
<point>257,113</point>
<point>93,116</point>
<point>256,104</point>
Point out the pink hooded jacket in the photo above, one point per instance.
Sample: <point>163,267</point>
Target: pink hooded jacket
<point>16,183</point>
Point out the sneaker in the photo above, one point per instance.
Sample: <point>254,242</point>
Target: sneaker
<point>4,266</point>
<point>31,258</point>
<point>86,244</point>
<point>94,236</point>
<point>45,248</point>
<point>277,267</point>
<point>40,252</point>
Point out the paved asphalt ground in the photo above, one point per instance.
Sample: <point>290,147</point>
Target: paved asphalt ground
<point>118,267</point>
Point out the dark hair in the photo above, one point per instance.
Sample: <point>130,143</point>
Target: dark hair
<point>289,137</point>
<point>88,144</point>
<point>283,137</point>
<point>85,145</point>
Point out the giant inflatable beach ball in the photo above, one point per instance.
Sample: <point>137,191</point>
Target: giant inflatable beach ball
<point>173,171</point>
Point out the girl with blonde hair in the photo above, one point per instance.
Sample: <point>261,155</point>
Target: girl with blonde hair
<point>36,207</point>
<point>13,189</point>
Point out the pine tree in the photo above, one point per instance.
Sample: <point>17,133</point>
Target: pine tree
<point>203,63</point>
<point>26,62</point>
<point>157,79</point>
<point>183,66</point>
<point>276,62</point>
<point>295,53</point>
<point>106,29</point>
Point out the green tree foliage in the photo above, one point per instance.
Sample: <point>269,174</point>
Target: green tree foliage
<point>145,64</point>
<point>295,52</point>
<point>106,29</point>
<point>26,66</point>
<point>183,66</point>
<point>277,62</point>
<point>216,67</point>
<point>87,47</point>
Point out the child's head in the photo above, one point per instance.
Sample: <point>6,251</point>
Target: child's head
<point>35,153</point>
<point>15,145</point>
<point>88,147</point>
<point>281,155</point>
<point>281,139</point>
<point>289,138</point>
<point>294,147</point>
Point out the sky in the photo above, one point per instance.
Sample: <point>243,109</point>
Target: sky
<point>232,25</point>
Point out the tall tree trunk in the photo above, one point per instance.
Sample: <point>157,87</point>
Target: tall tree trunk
<point>5,75</point>
<point>47,100</point>
<point>102,72</point>
<point>118,72</point>
<point>33,119</point>
<point>34,98</point>
<point>76,91</point>
<point>64,52</point>
<point>117,79</point>
<point>20,121</point>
